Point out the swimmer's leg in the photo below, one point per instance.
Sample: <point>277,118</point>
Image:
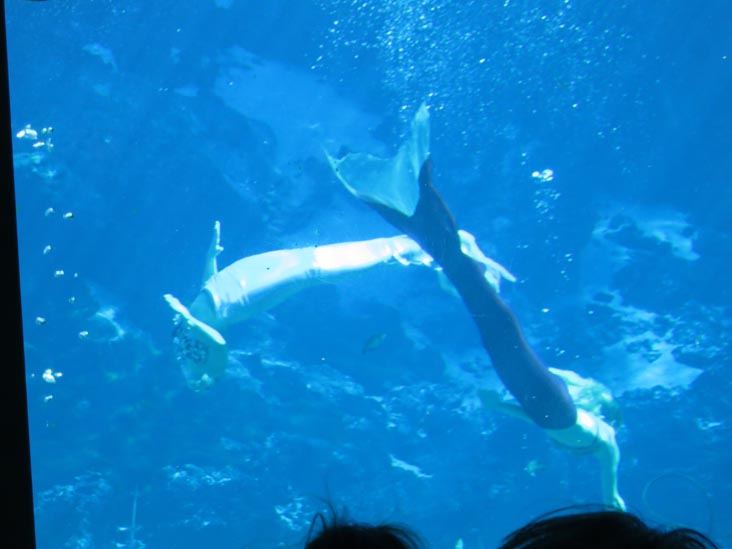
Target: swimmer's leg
<point>210,267</point>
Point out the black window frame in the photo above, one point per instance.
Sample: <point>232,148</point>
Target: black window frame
<point>17,486</point>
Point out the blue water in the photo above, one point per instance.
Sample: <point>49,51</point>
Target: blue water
<point>167,116</point>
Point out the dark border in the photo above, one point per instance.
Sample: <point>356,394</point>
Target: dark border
<point>17,488</point>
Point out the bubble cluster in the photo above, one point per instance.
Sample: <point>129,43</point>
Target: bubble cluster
<point>543,176</point>
<point>479,59</point>
<point>40,139</point>
<point>545,196</point>
<point>61,280</point>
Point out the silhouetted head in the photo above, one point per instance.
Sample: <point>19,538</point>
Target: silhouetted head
<point>340,533</point>
<point>602,530</point>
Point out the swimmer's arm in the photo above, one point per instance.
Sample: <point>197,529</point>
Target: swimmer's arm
<point>609,456</point>
<point>589,431</point>
<point>493,400</point>
<point>211,268</point>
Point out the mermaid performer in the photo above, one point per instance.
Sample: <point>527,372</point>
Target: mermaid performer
<point>400,189</point>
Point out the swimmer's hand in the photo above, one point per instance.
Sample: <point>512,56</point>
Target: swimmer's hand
<point>491,399</point>
<point>493,271</point>
<point>618,502</point>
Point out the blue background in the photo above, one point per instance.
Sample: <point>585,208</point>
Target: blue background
<point>170,115</point>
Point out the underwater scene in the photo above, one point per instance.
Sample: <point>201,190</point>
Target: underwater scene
<point>447,263</point>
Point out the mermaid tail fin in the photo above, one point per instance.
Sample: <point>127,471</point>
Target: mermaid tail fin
<point>400,189</point>
<point>391,182</point>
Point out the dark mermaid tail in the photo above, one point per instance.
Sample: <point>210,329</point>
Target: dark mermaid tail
<point>432,225</point>
<point>543,395</point>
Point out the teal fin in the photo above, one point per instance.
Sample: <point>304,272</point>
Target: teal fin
<point>392,182</point>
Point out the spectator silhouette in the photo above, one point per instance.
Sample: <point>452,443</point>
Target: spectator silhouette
<point>604,529</point>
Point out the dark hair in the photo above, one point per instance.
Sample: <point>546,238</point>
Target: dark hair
<point>341,533</point>
<point>602,530</point>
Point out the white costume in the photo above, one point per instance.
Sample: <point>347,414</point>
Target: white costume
<point>257,283</point>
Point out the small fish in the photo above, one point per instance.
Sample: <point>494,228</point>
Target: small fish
<point>533,467</point>
<point>373,342</point>
<point>103,53</point>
